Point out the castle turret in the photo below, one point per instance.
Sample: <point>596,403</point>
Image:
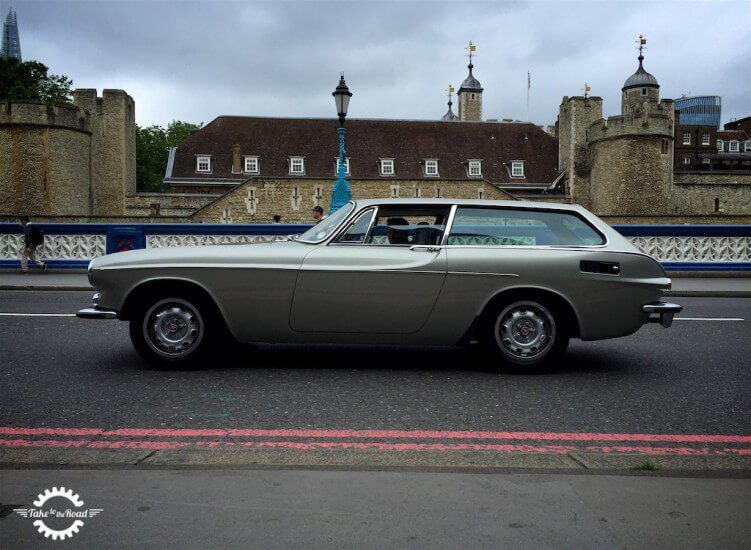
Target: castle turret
<point>450,116</point>
<point>640,92</point>
<point>470,93</point>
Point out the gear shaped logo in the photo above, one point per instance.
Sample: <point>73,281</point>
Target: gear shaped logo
<point>43,511</point>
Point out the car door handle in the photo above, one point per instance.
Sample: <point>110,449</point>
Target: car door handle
<point>425,248</point>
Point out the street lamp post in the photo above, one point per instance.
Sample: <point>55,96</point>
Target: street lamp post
<point>341,193</point>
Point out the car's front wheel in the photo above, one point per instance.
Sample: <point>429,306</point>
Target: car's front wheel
<point>525,335</point>
<point>172,330</point>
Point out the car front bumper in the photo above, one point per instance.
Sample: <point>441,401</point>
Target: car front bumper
<point>96,312</point>
<point>661,312</point>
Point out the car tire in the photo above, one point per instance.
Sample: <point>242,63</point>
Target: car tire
<point>175,331</point>
<point>525,335</point>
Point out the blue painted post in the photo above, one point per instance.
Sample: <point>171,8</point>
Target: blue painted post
<point>341,193</point>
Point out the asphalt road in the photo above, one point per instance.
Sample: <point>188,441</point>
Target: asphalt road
<point>309,509</point>
<point>693,378</point>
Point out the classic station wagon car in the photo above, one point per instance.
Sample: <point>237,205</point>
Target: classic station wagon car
<point>522,278</point>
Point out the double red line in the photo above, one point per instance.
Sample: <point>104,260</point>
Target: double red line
<point>376,440</point>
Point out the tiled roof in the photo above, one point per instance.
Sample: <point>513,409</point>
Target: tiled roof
<point>730,135</point>
<point>274,140</point>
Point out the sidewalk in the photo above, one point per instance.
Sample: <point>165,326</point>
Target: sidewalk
<point>711,286</point>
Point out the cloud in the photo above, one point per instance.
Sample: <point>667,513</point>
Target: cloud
<point>197,60</point>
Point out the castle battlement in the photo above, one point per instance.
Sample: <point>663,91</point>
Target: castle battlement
<point>623,126</point>
<point>37,113</point>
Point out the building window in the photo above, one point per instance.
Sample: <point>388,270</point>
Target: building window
<point>203,164</point>
<point>438,192</point>
<point>417,193</point>
<point>733,146</point>
<point>686,138</point>
<point>394,191</point>
<point>664,147</point>
<point>517,169</point>
<point>686,160</point>
<point>480,193</point>
<point>387,167</point>
<point>297,165</point>
<point>747,146</point>
<point>720,146</point>
<point>705,138</point>
<point>251,165</point>
<point>346,166</point>
<point>431,168</point>
<point>717,205</point>
<point>643,91</point>
<point>705,161</point>
<point>475,168</point>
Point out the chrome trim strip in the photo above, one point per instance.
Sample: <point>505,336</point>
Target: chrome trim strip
<point>483,273</point>
<point>94,313</point>
<point>200,266</point>
<point>449,224</point>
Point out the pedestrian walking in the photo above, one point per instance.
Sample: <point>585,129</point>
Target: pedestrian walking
<point>33,237</point>
<point>318,214</point>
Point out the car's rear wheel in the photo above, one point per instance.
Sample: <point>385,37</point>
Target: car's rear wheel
<point>525,335</point>
<point>173,330</point>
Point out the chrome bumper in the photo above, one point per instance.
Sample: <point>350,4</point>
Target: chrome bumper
<point>662,313</point>
<point>96,312</point>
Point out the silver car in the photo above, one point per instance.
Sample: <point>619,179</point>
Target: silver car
<point>522,278</point>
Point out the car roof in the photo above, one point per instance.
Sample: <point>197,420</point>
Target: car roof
<point>469,202</point>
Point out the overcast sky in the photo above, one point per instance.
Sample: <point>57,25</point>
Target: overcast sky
<point>196,60</point>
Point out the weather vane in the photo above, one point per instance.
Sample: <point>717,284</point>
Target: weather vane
<point>450,90</point>
<point>472,48</point>
<point>586,90</point>
<point>642,44</point>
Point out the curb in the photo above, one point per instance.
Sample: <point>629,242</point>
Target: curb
<point>46,287</point>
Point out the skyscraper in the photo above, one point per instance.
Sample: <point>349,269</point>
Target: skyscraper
<point>11,43</point>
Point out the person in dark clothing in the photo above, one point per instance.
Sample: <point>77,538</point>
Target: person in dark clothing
<point>33,237</point>
<point>318,214</point>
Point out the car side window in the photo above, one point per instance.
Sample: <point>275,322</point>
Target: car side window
<point>358,230</point>
<point>406,225</point>
<point>521,227</point>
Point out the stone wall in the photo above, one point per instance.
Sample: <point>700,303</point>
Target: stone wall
<point>718,194</point>
<point>259,199</point>
<point>167,204</point>
<point>44,159</point>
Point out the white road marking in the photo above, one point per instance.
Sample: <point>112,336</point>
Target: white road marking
<point>708,319</point>
<point>37,314</point>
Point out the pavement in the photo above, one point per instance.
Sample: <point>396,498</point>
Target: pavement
<point>684,284</point>
<point>75,393</point>
<point>346,509</point>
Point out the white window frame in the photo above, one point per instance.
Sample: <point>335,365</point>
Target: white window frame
<point>433,164</point>
<point>686,160</point>
<point>383,163</point>
<point>747,146</point>
<point>517,164</point>
<point>720,146</point>
<point>293,161</point>
<point>705,137</point>
<point>346,166</point>
<point>200,159</point>
<point>247,160</point>
<point>686,138</point>
<point>474,164</point>
<point>705,161</point>
<point>733,146</point>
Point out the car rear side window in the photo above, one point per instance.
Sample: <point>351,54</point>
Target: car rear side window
<point>521,227</point>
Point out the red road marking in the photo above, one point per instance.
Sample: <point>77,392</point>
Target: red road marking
<point>380,434</point>
<point>359,445</point>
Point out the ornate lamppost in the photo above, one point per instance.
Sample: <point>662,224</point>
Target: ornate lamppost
<point>341,193</point>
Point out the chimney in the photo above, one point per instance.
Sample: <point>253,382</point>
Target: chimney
<point>236,160</point>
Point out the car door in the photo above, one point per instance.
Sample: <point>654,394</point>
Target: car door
<point>373,283</point>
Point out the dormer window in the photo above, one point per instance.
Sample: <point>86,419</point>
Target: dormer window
<point>386,167</point>
<point>517,169</point>
<point>203,163</point>
<point>297,166</point>
<point>346,166</point>
<point>474,168</point>
<point>251,165</point>
<point>431,168</point>
<point>733,146</point>
<point>720,146</point>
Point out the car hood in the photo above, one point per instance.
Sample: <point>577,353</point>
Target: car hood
<point>277,254</point>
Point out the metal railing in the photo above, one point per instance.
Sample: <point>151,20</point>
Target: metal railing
<point>73,245</point>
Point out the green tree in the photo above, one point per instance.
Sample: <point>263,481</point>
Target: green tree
<point>152,151</point>
<point>29,80</point>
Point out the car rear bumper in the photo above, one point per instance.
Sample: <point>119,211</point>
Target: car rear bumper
<point>661,312</point>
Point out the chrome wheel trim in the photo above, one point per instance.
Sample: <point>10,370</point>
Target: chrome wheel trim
<point>525,331</point>
<point>173,327</point>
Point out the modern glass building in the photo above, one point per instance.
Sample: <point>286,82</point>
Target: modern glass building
<point>702,110</point>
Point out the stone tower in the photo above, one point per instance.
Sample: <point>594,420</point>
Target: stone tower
<point>470,94</point>
<point>640,92</point>
<point>11,43</point>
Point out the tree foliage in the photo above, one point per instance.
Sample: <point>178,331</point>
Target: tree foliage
<point>30,80</point>
<point>152,151</point>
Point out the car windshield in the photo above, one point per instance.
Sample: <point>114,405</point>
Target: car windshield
<point>326,226</point>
